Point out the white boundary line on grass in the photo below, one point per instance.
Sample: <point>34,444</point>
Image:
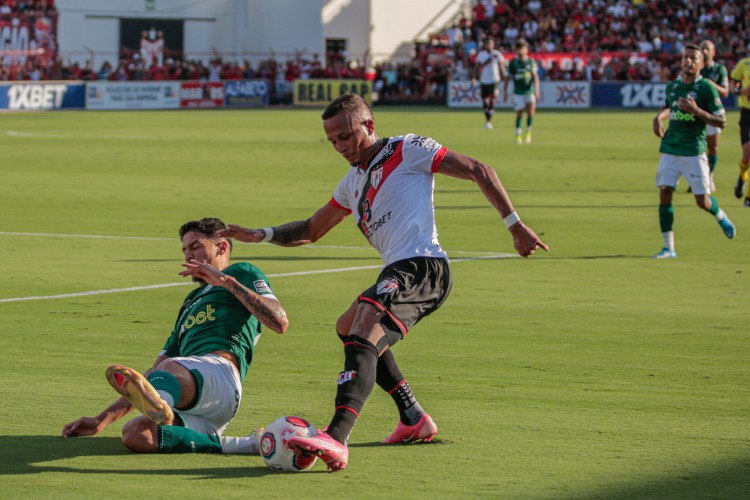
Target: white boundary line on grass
<point>175,239</point>
<point>278,275</point>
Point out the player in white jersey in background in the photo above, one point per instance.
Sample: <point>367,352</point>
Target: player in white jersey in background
<point>490,71</point>
<point>389,189</point>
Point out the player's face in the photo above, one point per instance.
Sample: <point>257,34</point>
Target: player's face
<point>708,49</point>
<point>201,248</point>
<point>522,51</point>
<point>692,61</point>
<point>351,135</point>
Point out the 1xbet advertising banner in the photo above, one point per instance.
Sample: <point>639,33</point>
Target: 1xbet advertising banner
<point>42,96</point>
<point>633,95</point>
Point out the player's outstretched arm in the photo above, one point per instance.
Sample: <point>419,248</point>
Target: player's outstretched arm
<point>291,234</point>
<point>658,124</point>
<point>460,166</point>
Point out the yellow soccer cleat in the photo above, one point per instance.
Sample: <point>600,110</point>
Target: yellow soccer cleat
<point>528,137</point>
<point>141,394</point>
<point>519,140</point>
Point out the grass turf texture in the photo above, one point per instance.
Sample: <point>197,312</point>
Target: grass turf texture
<point>589,372</point>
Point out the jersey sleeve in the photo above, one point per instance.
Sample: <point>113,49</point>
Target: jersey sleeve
<point>713,101</point>
<point>724,78</point>
<point>737,72</point>
<point>340,198</point>
<point>423,154</point>
<point>251,277</point>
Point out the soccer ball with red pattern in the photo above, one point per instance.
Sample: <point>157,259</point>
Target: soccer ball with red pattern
<point>274,449</point>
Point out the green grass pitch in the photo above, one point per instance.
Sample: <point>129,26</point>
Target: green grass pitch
<point>592,371</point>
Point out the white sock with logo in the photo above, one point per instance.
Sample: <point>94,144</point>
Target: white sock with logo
<point>244,445</point>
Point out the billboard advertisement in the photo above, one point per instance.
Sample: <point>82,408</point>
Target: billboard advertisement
<point>246,93</point>
<point>42,96</point>
<point>132,95</point>
<point>321,92</point>
<point>197,94</point>
<point>552,95</point>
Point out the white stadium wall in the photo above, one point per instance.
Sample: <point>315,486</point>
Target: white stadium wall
<point>254,29</point>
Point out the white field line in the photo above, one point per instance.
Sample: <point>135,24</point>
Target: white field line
<point>278,275</point>
<point>175,239</point>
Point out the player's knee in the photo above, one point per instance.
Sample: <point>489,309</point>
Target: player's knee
<point>703,202</point>
<point>139,435</point>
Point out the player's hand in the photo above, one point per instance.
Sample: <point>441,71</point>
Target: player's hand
<point>84,426</point>
<point>204,272</point>
<point>240,233</point>
<point>687,104</point>
<point>658,128</point>
<point>525,240</point>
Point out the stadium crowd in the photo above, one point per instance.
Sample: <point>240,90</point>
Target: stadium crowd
<point>603,40</point>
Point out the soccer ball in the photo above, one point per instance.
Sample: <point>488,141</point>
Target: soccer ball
<point>274,449</point>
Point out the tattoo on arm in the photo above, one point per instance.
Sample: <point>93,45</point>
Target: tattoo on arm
<point>291,232</point>
<point>268,311</point>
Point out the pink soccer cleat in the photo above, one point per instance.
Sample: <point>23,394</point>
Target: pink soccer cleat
<point>333,453</point>
<point>424,430</point>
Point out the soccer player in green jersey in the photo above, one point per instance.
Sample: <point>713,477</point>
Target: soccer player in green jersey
<point>523,71</point>
<point>194,388</point>
<point>691,104</point>
<point>716,74</point>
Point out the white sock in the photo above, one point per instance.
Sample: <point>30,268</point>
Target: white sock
<point>518,131</point>
<point>668,240</point>
<point>721,215</point>
<point>167,397</point>
<point>245,445</point>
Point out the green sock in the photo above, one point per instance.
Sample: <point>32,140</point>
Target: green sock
<point>712,161</point>
<point>715,209</point>
<point>173,439</point>
<point>529,122</point>
<point>167,386</point>
<point>666,217</point>
<point>518,122</point>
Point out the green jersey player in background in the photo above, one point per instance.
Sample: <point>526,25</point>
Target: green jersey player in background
<point>691,104</point>
<point>716,74</point>
<point>523,71</point>
<point>194,388</point>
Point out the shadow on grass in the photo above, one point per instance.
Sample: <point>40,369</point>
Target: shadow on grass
<point>29,454</point>
<point>249,258</point>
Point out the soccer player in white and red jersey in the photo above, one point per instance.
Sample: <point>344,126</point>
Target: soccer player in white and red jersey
<point>389,189</point>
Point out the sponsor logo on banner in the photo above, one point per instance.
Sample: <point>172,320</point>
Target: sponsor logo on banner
<point>201,94</point>
<point>643,95</point>
<point>132,95</point>
<point>36,96</point>
<point>321,92</point>
<point>572,94</point>
<point>246,93</point>
<point>561,95</point>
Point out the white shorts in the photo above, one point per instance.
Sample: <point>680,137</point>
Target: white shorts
<point>712,130</point>
<point>693,168</point>
<point>219,398</point>
<point>520,101</point>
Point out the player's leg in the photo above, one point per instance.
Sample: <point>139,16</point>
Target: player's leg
<point>519,105</point>
<point>388,375</point>
<point>487,92</point>
<point>530,111</point>
<point>713,134</point>
<point>698,175</point>
<point>667,176</point>
<point>742,180</point>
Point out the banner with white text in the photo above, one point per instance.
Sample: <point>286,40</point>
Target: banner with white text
<point>42,96</point>
<point>133,95</point>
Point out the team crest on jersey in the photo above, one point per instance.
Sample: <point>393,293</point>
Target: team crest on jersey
<point>692,95</point>
<point>388,285</point>
<point>375,177</point>
<point>261,286</point>
<point>425,143</point>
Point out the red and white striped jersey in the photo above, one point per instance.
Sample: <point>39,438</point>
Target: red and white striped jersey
<point>392,198</point>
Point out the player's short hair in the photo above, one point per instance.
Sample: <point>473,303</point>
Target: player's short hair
<point>350,103</point>
<point>693,46</point>
<point>208,226</point>
<point>522,43</point>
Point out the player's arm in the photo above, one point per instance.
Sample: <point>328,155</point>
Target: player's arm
<point>291,234</point>
<point>535,74</point>
<point>462,167</point>
<point>658,124</point>
<point>717,119</point>
<point>722,90</point>
<point>91,426</point>
<point>268,310</point>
